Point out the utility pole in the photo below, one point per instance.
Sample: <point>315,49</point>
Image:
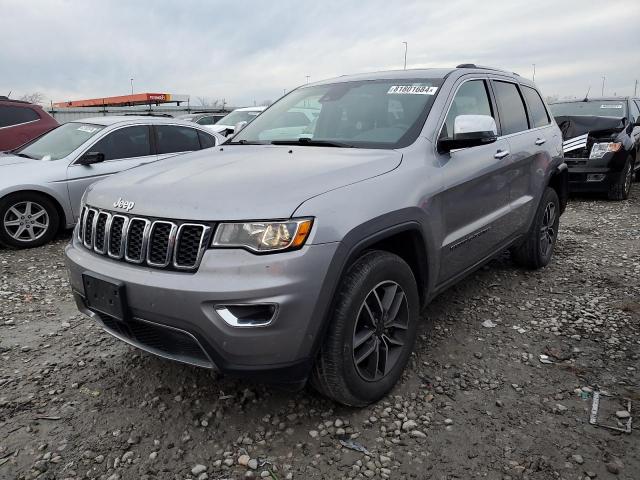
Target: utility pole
<point>602,93</point>
<point>635,89</point>
<point>534,72</point>
<point>132,86</point>
<point>406,46</point>
<point>308,76</point>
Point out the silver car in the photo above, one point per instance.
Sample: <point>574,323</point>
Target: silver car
<point>41,183</point>
<point>306,249</point>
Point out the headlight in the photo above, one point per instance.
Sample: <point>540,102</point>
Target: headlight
<point>599,149</point>
<point>263,236</point>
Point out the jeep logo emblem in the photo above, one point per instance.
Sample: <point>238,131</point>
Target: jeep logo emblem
<point>123,204</point>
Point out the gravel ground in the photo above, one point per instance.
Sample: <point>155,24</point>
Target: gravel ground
<point>475,402</point>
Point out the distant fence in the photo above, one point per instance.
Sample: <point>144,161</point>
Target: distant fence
<point>64,115</point>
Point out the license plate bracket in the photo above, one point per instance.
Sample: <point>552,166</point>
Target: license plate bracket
<point>105,295</point>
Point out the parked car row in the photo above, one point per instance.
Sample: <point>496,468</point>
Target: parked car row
<point>42,181</point>
<point>303,249</point>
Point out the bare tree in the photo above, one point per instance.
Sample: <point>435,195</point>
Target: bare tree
<point>35,97</point>
<point>203,101</point>
<point>552,98</point>
<point>266,103</point>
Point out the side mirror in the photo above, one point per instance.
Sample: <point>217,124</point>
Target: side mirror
<point>239,126</point>
<point>470,131</point>
<point>90,158</point>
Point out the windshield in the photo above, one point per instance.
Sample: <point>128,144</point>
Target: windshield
<point>237,117</point>
<point>598,108</point>
<point>367,114</point>
<point>60,142</point>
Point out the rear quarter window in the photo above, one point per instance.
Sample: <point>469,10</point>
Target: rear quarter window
<point>537,110</point>
<point>12,115</point>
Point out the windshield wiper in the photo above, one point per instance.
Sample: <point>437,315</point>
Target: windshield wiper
<point>311,142</point>
<point>24,155</point>
<point>244,142</point>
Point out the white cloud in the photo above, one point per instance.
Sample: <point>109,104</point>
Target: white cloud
<point>252,50</point>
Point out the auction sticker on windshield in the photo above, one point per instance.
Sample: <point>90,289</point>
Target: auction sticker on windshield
<point>87,129</point>
<point>412,90</point>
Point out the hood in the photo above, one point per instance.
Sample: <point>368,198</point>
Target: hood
<point>577,125</point>
<point>240,182</point>
<point>8,159</point>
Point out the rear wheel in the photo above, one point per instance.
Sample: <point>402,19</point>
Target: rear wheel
<point>536,251</point>
<point>372,331</point>
<point>27,220</point>
<point>621,188</point>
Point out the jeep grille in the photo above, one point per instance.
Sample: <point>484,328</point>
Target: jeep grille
<point>154,242</point>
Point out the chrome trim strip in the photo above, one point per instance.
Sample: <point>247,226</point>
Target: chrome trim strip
<point>170,243</point>
<point>80,232</point>
<point>89,245</point>
<point>231,320</point>
<point>104,240</point>
<point>22,123</point>
<point>145,239</point>
<point>123,231</point>
<point>201,247</point>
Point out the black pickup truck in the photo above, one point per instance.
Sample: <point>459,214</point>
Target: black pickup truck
<point>601,143</point>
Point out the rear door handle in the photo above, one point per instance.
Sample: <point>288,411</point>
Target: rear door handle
<point>540,141</point>
<point>501,154</point>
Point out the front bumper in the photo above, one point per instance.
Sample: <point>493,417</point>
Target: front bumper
<point>173,313</point>
<point>590,175</point>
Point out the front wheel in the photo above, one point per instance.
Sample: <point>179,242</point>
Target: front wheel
<point>372,331</point>
<point>621,188</point>
<point>536,250</point>
<point>27,220</point>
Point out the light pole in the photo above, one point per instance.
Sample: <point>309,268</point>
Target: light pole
<point>307,78</point>
<point>635,89</point>
<point>132,86</point>
<point>602,93</point>
<point>406,46</point>
<point>534,72</point>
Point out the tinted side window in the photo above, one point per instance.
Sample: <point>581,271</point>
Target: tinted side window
<point>10,115</point>
<point>206,141</point>
<point>126,142</point>
<point>538,113</point>
<point>471,99</point>
<point>173,139</point>
<point>513,115</point>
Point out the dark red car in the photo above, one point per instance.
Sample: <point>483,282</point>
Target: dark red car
<point>21,122</point>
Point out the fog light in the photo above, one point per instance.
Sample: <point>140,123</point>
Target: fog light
<point>247,315</point>
<point>595,177</point>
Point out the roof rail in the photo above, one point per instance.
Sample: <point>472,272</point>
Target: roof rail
<point>7,99</point>
<point>482,67</point>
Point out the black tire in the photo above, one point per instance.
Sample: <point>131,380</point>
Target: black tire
<point>14,215</point>
<point>537,249</point>
<point>620,189</point>
<point>335,373</point>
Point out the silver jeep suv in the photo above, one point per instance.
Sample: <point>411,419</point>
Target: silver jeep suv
<point>305,247</point>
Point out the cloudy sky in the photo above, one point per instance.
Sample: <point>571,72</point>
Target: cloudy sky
<point>246,51</point>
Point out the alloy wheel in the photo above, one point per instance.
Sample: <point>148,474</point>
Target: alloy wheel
<point>380,331</point>
<point>547,231</point>
<point>26,221</point>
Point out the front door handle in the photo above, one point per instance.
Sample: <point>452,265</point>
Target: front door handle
<point>501,154</point>
<point>540,141</point>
